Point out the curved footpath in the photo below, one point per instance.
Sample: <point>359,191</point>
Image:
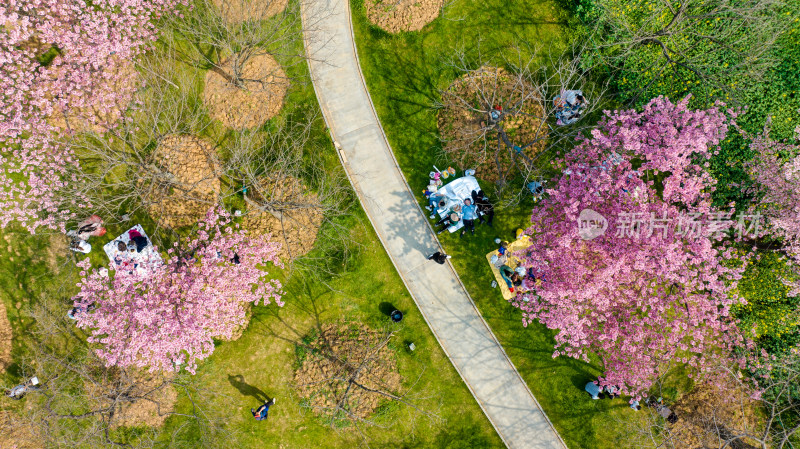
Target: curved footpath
<point>407,236</point>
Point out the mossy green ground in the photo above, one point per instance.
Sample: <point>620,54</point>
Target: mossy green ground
<point>404,74</point>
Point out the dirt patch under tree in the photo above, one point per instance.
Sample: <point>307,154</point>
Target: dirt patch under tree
<point>470,141</point>
<point>238,11</point>
<point>705,412</point>
<point>293,226</point>
<point>143,399</point>
<point>395,16</point>
<point>259,97</point>
<point>344,357</point>
<point>195,185</point>
<point>15,433</point>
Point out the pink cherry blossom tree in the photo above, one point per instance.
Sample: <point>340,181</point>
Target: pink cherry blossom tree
<point>167,315</point>
<point>656,286</point>
<point>65,62</point>
<point>775,170</point>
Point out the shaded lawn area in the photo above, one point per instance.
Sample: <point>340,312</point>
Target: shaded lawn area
<point>404,73</point>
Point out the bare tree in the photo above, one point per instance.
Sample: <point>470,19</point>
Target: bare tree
<point>250,49</point>
<point>138,164</point>
<point>499,116</point>
<point>82,403</point>
<point>286,185</point>
<point>731,415</point>
<point>225,46</point>
<point>721,44</point>
<point>347,372</point>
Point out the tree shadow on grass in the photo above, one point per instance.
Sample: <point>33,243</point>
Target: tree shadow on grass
<point>307,301</point>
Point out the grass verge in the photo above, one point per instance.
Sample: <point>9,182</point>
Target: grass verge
<point>404,73</point>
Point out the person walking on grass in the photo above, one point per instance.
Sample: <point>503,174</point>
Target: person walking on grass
<point>439,257</point>
<point>261,413</point>
<point>469,213</point>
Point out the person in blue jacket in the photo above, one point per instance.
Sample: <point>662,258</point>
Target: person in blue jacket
<point>261,413</point>
<point>469,212</point>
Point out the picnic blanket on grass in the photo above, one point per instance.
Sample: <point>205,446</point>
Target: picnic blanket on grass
<point>142,261</point>
<point>455,193</point>
<point>513,262</point>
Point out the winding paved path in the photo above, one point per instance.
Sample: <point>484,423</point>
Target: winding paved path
<point>406,235</point>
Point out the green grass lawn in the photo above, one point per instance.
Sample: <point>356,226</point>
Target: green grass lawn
<point>262,361</point>
<point>265,357</point>
<point>404,72</point>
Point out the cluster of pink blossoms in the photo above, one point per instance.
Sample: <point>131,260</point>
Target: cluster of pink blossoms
<point>637,302</point>
<point>166,317</point>
<point>93,47</point>
<point>775,171</point>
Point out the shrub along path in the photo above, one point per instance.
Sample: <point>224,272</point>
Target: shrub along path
<point>404,232</point>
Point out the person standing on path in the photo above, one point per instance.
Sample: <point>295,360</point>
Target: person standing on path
<point>469,214</point>
<point>261,413</point>
<point>439,257</point>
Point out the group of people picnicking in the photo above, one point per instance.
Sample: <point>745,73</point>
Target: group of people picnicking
<point>93,227</point>
<point>127,255</point>
<point>610,391</point>
<point>126,250</point>
<point>569,106</point>
<point>513,277</point>
<point>476,208</point>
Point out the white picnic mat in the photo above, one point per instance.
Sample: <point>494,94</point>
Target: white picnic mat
<point>142,261</point>
<point>455,193</point>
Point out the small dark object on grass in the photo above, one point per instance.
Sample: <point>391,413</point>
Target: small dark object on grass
<point>396,316</point>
